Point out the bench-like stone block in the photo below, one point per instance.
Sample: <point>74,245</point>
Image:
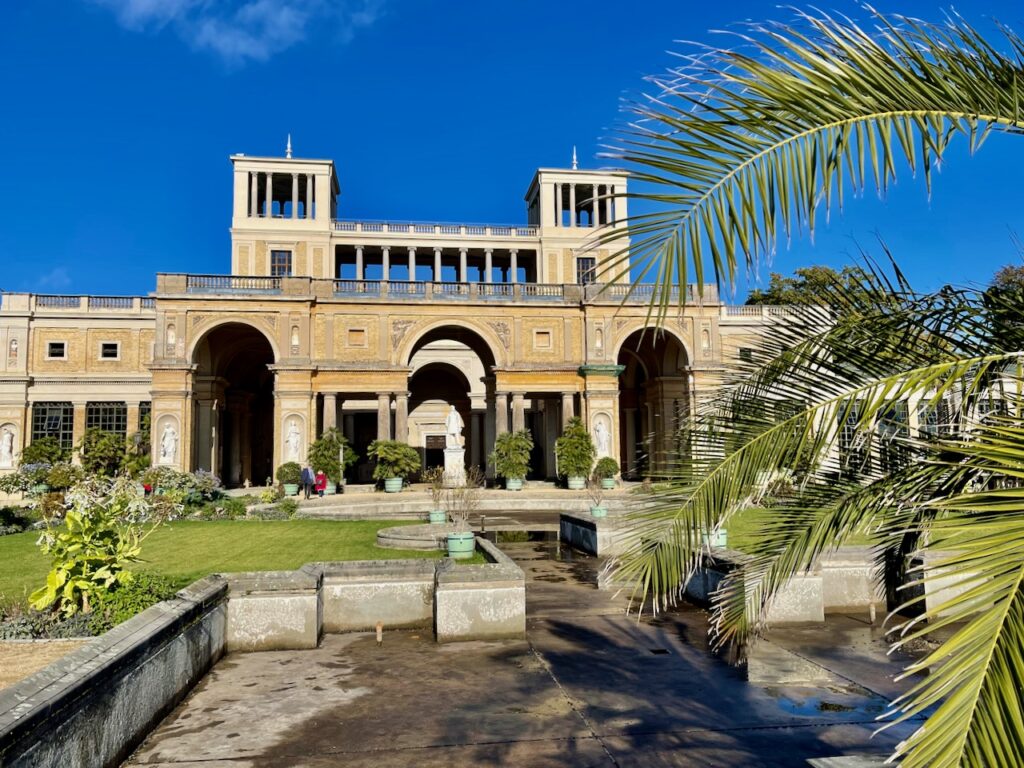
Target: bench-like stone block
<point>398,593</point>
<point>599,536</point>
<point>274,610</point>
<point>480,602</point>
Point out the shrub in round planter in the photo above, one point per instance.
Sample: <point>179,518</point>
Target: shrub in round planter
<point>395,462</point>
<point>605,471</point>
<point>511,457</point>
<point>574,451</point>
<point>289,475</point>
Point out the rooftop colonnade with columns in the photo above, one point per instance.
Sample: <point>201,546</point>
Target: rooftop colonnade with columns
<point>376,328</point>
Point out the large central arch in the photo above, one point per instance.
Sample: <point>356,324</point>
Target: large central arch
<point>233,413</point>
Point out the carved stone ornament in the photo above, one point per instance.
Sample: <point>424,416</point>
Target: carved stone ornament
<point>398,330</point>
<point>501,330</point>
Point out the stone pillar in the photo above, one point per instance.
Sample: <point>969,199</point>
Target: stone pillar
<point>309,196</point>
<point>295,195</point>
<point>629,458</point>
<point>488,277</point>
<point>501,413</point>
<point>386,264</point>
<point>78,429</point>
<point>402,416</point>
<point>254,195</point>
<point>595,207</point>
<point>132,417</point>
<point>573,221</point>
<point>550,435</point>
<point>489,430</point>
<point>330,420</point>
<point>475,439</point>
<point>437,265</point>
<point>513,266</point>
<point>270,194</point>
<point>463,266</point>
<point>558,205</point>
<point>568,407</point>
<point>608,206</point>
<point>242,428</point>
<point>384,417</point>
<point>412,263</point>
<point>518,412</point>
<point>359,262</point>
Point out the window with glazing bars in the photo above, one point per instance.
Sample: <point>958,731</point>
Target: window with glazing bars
<point>109,417</point>
<point>934,419</point>
<point>853,451</point>
<point>54,420</point>
<point>145,410</point>
<point>893,430</point>
<point>280,263</point>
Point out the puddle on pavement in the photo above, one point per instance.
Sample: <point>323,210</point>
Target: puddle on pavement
<point>814,702</point>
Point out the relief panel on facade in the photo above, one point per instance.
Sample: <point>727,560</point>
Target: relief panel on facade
<point>356,338</point>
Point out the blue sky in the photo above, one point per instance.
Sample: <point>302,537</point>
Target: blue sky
<point>118,117</point>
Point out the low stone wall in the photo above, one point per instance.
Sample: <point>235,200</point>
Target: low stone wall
<point>398,593</point>
<point>600,536</point>
<point>480,602</point>
<point>94,706</point>
<point>848,580</point>
<point>275,610</point>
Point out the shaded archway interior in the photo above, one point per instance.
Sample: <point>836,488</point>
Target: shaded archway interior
<point>233,417</point>
<point>654,394</point>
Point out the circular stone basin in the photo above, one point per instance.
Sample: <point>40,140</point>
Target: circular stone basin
<point>428,536</point>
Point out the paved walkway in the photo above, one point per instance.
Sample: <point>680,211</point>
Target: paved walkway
<point>589,687</point>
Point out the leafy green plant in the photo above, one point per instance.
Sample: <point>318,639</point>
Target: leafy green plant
<point>394,459</point>
<point>102,452</point>
<point>289,473</point>
<point>43,450</point>
<point>128,599</point>
<point>93,545</point>
<point>63,475</point>
<point>574,450</point>
<point>605,468</point>
<point>325,455</point>
<point>287,507</point>
<point>511,455</point>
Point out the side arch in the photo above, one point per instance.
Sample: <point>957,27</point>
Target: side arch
<point>623,334</point>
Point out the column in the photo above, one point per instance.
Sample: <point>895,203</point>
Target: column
<point>489,430</point>
<point>384,417</point>
<point>567,407</point>
<point>501,413</point>
<point>348,421</point>
<point>518,412</point>
<point>330,420</point>
<point>402,416</point>
<point>295,195</point>
<point>629,460</point>
<point>412,263</point>
<point>359,262</point>
<point>386,263</point>
<point>254,195</point>
<point>573,221</point>
<point>437,265</point>
<point>309,195</point>
<point>595,207</point>
<point>475,435</point>
<point>558,205</point>
<point>514,266</point>
<point>78,430</point>
<point>551,432</point>
<point>270,195</point>
<point>487,265</point>
<point>608,206</point>
<point>463,267</point>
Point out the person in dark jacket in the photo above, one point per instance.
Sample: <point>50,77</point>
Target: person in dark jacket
<point>307,481</point>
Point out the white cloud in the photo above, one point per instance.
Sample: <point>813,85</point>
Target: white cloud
<point>239,31</point>
<point>55,279</point>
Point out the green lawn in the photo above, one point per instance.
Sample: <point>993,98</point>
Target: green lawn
<point>742,531</point>
<point>186,551</point>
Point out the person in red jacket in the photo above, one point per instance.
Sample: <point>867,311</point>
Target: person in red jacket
<point>321,484</point>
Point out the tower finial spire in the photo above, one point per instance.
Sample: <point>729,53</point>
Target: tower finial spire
<point>288,149</point>
<point>575,165</point>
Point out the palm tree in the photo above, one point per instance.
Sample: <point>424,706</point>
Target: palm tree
<point>740,146</point>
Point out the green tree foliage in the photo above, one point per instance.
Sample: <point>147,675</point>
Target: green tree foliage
<point>102,453</point>
<point>44,450</point>
<point>511,456</point>
<point>394,459</point>
<point>808,286</point>
<point>325,454</point>
<point>574,450</point>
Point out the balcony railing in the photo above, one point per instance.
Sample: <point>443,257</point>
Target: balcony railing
<point>427,228</point>
<point>58,302</point>
<point>231,284</point>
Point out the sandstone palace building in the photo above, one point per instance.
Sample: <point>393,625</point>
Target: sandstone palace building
<point>374,327</point>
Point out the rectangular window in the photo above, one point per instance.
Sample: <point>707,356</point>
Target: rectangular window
<point>108,417</point>
<point>934,419</point>
<point>54,420</point>
<point>854,457</point>
<point>746,354</point>
<point>280,263</point>
<point>110,350</point>
<point>893,430</point>
<point>56,350</point>
<point>145,410</point>
<point>585,269</point>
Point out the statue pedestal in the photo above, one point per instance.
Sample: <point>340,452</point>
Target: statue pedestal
<point>454,467</point>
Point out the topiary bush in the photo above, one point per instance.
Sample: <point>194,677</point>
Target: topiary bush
<point>394,459</point>
<point>511,455</point>
<point>574,450</point>
<point>289,473</point>
<point>605,468</point>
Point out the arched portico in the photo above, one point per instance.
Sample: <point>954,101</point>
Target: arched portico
<point>654,395</point>
<point>232,430</point>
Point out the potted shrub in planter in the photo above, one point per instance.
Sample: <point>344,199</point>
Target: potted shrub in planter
<point>289,475</point>
<point>325,456</point>
<point>574,452</point>
<point>605,471</point>
<point>395,462</point>
<point>596,492</point>
<point>434,477</point>
<point>461,502</point>
<point>511,457</point>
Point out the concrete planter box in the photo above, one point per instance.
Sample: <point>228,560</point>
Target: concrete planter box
<point>275,610</point>
<point>480,602</point>
<point>848,580</point>
<point>397,593</point>
<point>595,535</point>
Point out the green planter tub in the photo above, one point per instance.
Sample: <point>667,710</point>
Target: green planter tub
<point>438,516</point>
<point>608,483</point>
<point>718,539</point>
<point>577,483</point>
<point>461,545</point>
<point>331,489</point>
<point>393,485</point>
<point>291,489</point>
<point>513,483</point>
<point>598,512</point>
<point>38,489</point>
